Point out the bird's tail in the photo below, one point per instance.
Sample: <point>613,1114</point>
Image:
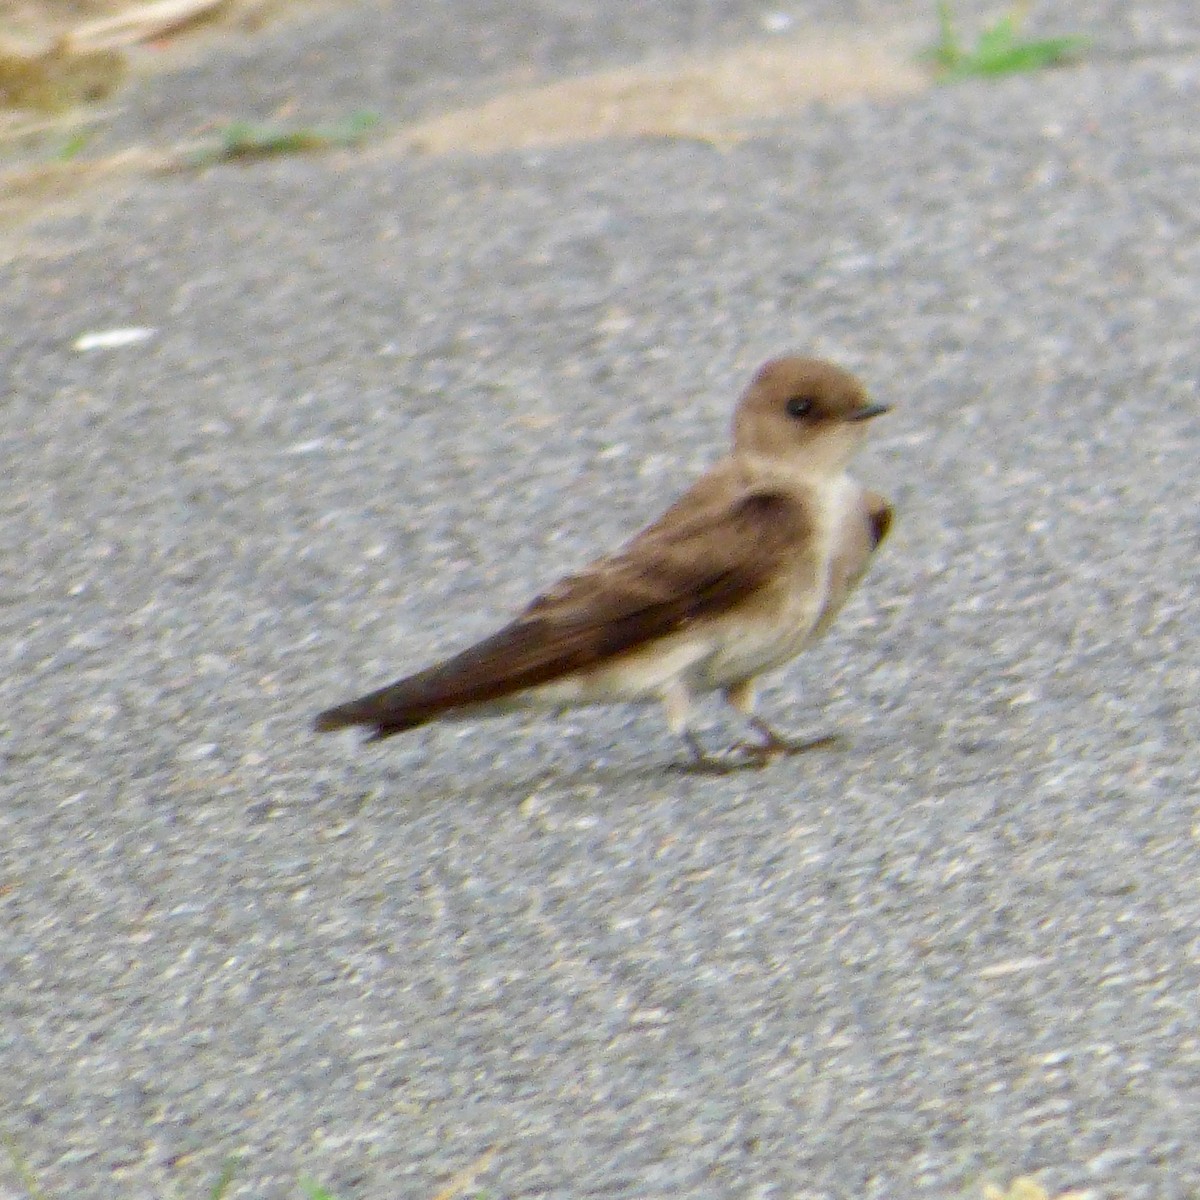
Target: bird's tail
<point>391,710</point>
<point>483,679</point>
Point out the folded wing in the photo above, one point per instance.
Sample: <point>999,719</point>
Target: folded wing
<point>698,560</point>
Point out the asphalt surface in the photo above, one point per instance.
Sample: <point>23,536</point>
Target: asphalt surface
<point>388,399</point>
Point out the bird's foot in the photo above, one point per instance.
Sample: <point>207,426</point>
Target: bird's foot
<point>727,763</point>
<point>773,746</point>
<point>754,756</point>
<point>702,762</point>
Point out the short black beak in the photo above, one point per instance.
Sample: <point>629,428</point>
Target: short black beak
<point>868,411</point>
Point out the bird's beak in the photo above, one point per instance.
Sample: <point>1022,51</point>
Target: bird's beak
<point>868,411</point>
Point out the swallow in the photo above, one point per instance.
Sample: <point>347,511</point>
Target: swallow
<point>748,568</point>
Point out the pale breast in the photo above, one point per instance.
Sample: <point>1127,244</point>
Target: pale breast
<point>780,623</point>
<point>765,634</point>
<point>861,521</point>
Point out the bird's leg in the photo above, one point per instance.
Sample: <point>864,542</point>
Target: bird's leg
<point>741,697</point>
<point>677,699</point>
<point>703,762</point>
<point>677,703</point>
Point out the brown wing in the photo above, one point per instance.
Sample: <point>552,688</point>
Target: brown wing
<point>697,561</point>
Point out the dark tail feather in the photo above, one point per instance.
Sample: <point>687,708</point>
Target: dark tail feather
<point>390,710</point>
<point>492,669</point>
<point>520,656</point>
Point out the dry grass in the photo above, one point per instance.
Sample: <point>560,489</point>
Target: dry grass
<point>60,56</point>
<point>45,21</point>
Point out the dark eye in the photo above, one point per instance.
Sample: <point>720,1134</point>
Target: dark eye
<point>800,406</point>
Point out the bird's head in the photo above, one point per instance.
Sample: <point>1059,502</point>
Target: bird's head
<point>804,413</point>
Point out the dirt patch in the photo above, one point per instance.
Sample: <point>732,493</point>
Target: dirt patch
<point>713,97</point>
<point>718,97</point>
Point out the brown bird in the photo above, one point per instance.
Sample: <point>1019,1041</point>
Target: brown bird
<point>737,577</point>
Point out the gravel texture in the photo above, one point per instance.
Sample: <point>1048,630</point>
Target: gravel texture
<point>387,400</point>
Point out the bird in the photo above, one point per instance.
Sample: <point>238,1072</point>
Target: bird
<point>743,572</point>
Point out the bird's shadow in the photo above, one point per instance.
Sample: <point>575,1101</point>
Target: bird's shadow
<point>418,785</point>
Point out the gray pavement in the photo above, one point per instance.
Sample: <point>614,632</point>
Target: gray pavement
<point>382,400</point>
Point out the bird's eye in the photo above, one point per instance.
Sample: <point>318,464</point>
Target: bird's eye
<point>800,406</point>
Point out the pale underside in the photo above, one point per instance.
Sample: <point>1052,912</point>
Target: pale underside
<point>726,652</point>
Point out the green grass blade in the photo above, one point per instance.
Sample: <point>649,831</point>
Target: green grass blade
<point>997,40</point>
<point>946,52</point>
<point>249,140</point>
<point>224,1181</point>
<point>21,1167</point>
<point>999,49</point>
<point>314,1191</point>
